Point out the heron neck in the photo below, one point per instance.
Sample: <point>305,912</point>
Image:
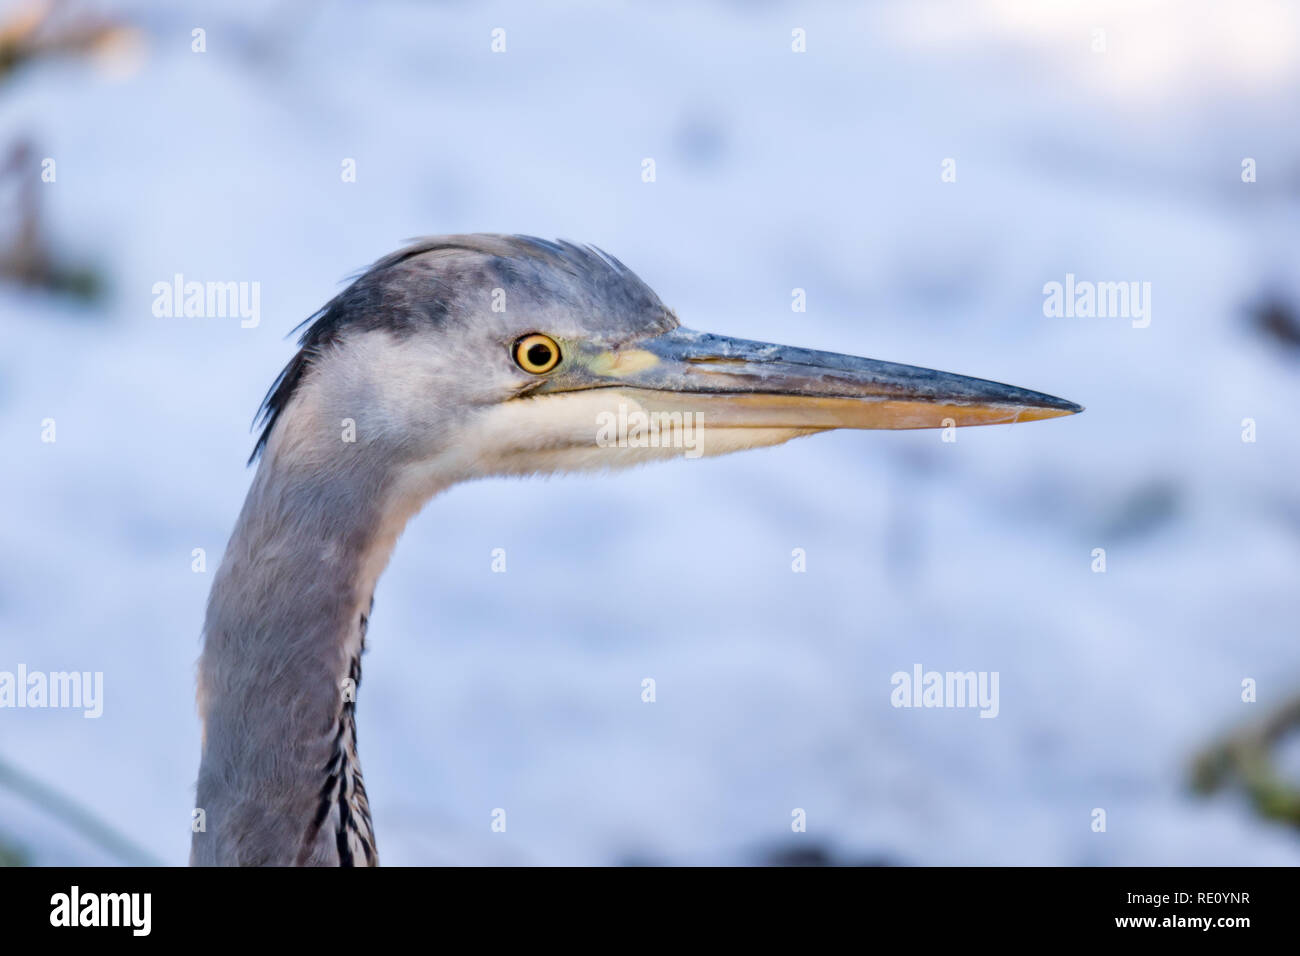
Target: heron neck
<point>279,781</point>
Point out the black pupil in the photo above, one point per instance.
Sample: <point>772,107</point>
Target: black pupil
<point>539,354</point>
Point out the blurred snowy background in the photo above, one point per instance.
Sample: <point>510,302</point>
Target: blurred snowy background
<point>775,170</point>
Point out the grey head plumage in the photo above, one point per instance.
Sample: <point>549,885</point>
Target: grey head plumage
<point>420,285</point>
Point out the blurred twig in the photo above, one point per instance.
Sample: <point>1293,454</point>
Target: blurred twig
<point>12,856</point>
<point>1246,759</point>
<point>1278,319</point>
<point>25,255</point>
<point>36,31</point>
<point>43,29</point>
<point>75,816</point>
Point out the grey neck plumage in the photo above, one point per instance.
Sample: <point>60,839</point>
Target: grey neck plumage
<point>279,782</point>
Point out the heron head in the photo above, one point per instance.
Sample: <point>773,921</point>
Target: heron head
<point>510,355</point>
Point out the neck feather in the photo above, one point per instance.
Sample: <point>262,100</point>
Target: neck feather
<point>279,782</point>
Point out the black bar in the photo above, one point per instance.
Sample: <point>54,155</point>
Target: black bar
<point>972,905</point>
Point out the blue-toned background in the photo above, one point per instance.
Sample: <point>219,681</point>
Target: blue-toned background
<point>775,170</point>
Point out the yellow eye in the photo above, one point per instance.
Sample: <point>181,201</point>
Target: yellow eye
<point>537,353</point>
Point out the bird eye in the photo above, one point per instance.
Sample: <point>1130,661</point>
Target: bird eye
<point>537,353</point>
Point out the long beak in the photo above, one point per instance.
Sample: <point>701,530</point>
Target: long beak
<point>739,383</point>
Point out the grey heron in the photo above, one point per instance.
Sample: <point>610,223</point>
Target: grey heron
<point>456,358</point>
